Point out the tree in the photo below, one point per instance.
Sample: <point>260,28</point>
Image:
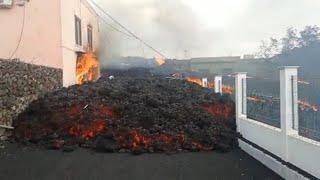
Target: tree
<point>268,49</point>
<point>290,41</point>
<point>309,36</point>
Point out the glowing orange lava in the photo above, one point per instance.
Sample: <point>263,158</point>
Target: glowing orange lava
<point>301,81</point>
<point>220,110</point>
<point>227,89</point>
<point>160,60</point>
<point>304,105</point>
<point>256,99</point>
<point>194,80</point>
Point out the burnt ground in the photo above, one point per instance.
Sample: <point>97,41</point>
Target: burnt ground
<point>21,162</point>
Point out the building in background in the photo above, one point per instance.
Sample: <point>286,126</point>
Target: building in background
<point>229,64</point>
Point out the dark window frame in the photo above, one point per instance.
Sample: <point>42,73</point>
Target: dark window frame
<point>78,31</point>
<point>90,37</point>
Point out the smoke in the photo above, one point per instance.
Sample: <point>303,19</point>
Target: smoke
<point>202,27</point>
<point>169,26</point>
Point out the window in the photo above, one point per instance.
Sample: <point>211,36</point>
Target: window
<point>78,31</point>
<point>90,37</point>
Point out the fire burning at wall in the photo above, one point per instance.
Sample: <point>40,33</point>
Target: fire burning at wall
<point>87,68</point>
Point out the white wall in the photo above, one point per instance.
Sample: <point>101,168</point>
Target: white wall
<point>305,154</point>
<point>299,151</point>
<point>267,137</point>
<point>41,37</point>
<point>69,9</point>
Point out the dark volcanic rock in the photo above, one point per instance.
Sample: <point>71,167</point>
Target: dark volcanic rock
<point>136,112</point>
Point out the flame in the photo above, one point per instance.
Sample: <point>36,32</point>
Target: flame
<point>135,140</point>
<point>300,81</point>
<point>87,68</point>
<point>80,127</point>
<point>227,89</point>
<point>194,80</point>
<point>160,60</point>
<point>88,132</point>
<point>304,105</point>
<point>256,99</point>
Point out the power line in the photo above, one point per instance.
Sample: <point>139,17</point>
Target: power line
<point>126,29</point>
<point>114,28</point>
<point>21,33</point>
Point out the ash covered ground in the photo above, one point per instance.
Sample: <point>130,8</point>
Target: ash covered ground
<point>136,112</point>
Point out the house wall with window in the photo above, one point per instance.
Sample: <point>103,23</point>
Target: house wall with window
<point>32,33</point>
<point>70,11</point>
<point>44,33</point>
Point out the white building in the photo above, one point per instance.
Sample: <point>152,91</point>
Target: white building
<point>48,32</point>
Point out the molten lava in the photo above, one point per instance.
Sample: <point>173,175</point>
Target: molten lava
<point>304,105</point>
<point>227,89</point>
<point>87,68</point>
<point>256,99</point>
<point>220,109</point>
<point>301,81</point>
<point>89,131</point>
<point>160,60</point>
<point>194,80</point>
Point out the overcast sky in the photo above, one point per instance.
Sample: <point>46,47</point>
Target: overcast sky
<point>203,27</point>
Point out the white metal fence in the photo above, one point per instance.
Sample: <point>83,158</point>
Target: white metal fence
<point>284,141</point>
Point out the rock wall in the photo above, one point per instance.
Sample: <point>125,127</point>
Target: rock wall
<point>22,83</point>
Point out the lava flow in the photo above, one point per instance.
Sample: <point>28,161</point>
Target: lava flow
<point>224,110</point>
<point>128,114</point>
<point>194,80</point>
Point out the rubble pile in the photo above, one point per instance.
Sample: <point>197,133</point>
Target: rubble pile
<point>130,111</point>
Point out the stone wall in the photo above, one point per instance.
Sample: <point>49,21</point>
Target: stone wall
<point>21,83</point>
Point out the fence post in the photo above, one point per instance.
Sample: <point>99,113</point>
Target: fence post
<point>289,99</point>
<point>218,84</point>
<point>288,104</point>
<point>241,97</point>
<point>205,82</point>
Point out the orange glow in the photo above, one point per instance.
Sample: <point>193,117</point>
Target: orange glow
<point>220,110</point>
<point>300,81</point>
<point>135,140</point>
<point>306,105</point>
<point>227,89</point>
<point>84,129</point>
<point>87,68</point>
<point>159,60</point>
<point>256,99</point>
<point>88,132</point>
<point>194,80</point>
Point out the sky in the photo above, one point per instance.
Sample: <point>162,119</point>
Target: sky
<point>202,28</point>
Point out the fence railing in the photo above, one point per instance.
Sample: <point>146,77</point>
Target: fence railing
<point>309,109</point>
<point>263,99</point>
<point>294,139</point>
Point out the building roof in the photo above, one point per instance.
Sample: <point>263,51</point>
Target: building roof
<point>216,59</point>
